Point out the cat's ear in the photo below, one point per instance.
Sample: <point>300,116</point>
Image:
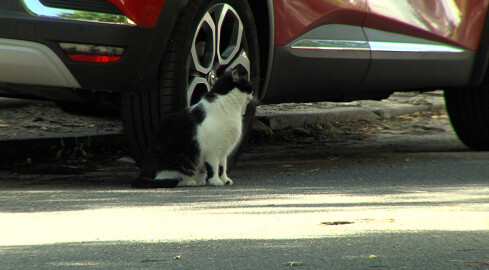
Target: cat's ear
<point>239,73</point>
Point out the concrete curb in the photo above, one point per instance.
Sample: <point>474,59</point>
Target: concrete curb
<point>281,120</point>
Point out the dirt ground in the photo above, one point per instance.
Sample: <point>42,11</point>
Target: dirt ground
<point>42,119</point>
<point>428,122</point>
<point>340,138</point>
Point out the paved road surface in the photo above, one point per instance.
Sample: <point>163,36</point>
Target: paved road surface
<point>387,201</point>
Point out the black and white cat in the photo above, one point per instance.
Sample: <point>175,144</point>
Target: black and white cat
<point>191,146</point>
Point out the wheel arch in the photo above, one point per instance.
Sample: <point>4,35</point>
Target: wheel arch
<point>481,62</point>
<point>264,18</point>
<point>154,53</point>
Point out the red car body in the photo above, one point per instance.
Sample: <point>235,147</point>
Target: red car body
<point>454,22</point>
<point>141,12</point>
<point>457,22</point>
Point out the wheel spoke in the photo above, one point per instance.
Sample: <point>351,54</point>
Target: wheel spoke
<point>229,34</point>
<point>242,60</point>
<point>204,45</point>
<point>197,86</point>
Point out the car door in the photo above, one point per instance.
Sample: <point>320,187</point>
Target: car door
<point>422,43</point>
<point>320,50</point>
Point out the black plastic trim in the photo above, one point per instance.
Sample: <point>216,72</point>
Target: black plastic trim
<point>303,79</point>
<point>481,60</point>
<point>430,65</point>
<point>316,75</point>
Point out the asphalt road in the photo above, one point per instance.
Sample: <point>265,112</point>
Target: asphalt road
<point>406,202</point>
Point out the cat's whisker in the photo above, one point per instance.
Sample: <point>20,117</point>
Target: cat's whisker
<point>254,102</point>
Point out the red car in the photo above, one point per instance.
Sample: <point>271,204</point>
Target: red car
<point>159,56</point>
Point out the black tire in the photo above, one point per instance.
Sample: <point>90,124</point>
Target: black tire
<point>469,114</point>
<point>183,77</point>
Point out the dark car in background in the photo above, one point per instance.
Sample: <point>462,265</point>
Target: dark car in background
<point>157,56</point>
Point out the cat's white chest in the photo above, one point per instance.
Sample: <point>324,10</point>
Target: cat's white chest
<point>219,133</point>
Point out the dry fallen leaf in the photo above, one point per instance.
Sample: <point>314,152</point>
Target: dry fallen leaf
<point>295,263</point>
<point>334,223</point>
<point>405,117</point>
<point>301,131</point>
<point>153,260</point>
<point>370,220</point>
<point>478,264</point>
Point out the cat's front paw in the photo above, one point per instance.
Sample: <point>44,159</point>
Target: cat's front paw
<point>227,181</point>
<point>215,182</point>
<point>187,183</point>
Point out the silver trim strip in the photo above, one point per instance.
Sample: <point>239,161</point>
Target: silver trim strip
<point>382,46</point>
<point>36,8</point>
<point>331,45</point>
<point>374,46</point>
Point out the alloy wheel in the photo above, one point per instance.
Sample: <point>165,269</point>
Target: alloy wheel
<point>219,43</point>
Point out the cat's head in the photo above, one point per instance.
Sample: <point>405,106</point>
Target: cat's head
<point>231,79</point>
<point>240,79</point>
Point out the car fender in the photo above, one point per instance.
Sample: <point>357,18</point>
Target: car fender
<point>479,71</point>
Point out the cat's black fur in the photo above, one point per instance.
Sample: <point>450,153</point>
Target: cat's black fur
<point>180,151</point>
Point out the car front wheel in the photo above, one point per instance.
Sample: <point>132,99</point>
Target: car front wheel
<point>209,37</point>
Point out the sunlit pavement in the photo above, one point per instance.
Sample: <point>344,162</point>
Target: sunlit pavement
<point>411,210</point>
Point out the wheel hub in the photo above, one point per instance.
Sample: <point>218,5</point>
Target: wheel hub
<point>212,78</point>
